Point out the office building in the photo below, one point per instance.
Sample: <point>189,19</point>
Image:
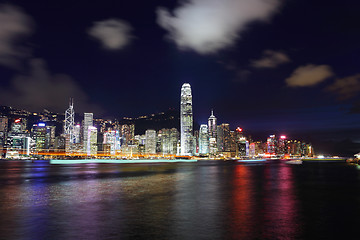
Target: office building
<point>186,120</point>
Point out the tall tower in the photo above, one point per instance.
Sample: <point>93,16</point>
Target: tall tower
<point>88,122</point>
<point>212,134</point>
<point>186,120</point>
<point>203,139</point>
<point>69,126</point>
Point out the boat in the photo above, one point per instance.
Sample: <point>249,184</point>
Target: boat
<point>294,161</point>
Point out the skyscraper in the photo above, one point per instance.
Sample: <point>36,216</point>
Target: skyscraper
<point>88,122</point>
<point>212,133</point>
<point>186,120</point>
<point>69,126</point>
<point>91,140</point>
<point>150,142</point>
<point>223,138</point>
<point>203,139</point>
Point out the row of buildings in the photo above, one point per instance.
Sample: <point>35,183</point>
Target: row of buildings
<point>214,140</point>
<point>106,137</point>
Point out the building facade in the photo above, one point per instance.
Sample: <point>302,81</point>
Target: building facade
<point>186,120</point>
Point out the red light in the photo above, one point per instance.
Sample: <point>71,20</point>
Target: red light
<point>283,137</point>
<point>17,120</point>
<point>239,129</point>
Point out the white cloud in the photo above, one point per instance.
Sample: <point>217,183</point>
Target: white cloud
<point>207,26</point>
<point>14,26</point>
<point>309,75</point>
<point>346,88</point>
<point>39,89</point>
<point>270,59</point>
<point>112,33</point>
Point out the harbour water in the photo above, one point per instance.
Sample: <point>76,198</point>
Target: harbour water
<point>200,200</point>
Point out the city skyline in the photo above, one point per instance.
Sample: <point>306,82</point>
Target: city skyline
<point>276,71</point>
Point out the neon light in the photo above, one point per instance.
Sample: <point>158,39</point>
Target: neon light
<point>283,137</point>
<point>41,124</point>
<point>239,129</point>
<point>17,120</point>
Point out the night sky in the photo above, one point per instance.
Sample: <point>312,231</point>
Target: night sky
<point>290,66</point>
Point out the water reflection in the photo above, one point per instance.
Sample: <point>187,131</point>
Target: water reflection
<point>241,222</point>
<point>197,203</point>
<point>207,200</point>
<point>280,203</point>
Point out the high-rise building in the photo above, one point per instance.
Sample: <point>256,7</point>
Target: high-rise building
<point>19,126</point>
<point>212,134</point>
<point>186,120</point>
<point>271,142</point>
<point>91,140</point>
<point>69,127</point>
<point>40,134</point>
<point>127,134</point>
<point>223,138</point>
<point>3,131</point>
<point>174,138</point>
<point>150,142</point>
<point>203,140</point>
<point>88,122</point>
<point>77,133</point>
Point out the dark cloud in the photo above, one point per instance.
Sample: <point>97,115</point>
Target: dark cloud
<point>270,59</point>
<point>207,26</point>
<point>309,75</point>
<point>345,88</point>
<point>14,27</point>
<point>114,34</point>
<point>39,88</point>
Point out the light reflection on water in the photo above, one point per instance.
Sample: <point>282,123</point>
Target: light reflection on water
<point>204,200</point>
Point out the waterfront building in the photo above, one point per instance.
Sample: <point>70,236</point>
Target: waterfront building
<point>163,141</point>
<point>51,136</point>
<point>186,120</point>
<point>127,134</point>
<point>271,142</point>
<point>92,140</point>
<point>174,139</point>
<point>150,142</point>
<point>196,142</point>
<point>88,122</point>
<point>203,140</point>
<point>223,138</point>
<point>281,145</point>
<point>109,140</point>
<point>212,134</point>
<point>77,131</point>
<point>69,126</point>
<point>3,131</point>
<point>41,136</point>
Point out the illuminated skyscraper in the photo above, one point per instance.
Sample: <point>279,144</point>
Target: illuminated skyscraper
<point>69,126</point>
<point>223,138</point>
<point>174,138</point>
<point>212,133</point>
<point>3,131</point>
<point>186,120</point>
<point>271,144</point>
<point>92,140</point>
<point>203,139</point>
<point>150,142</point>
<point>88,122</point>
